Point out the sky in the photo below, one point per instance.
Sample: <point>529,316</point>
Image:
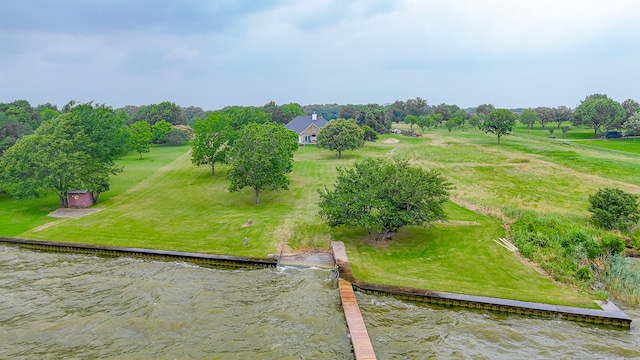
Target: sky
<point>216,53</point>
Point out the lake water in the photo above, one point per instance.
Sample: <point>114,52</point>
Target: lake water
<point>71,306</point>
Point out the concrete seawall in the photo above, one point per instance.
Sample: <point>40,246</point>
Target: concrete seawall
<point>103,250</point>
<point>609,315</point>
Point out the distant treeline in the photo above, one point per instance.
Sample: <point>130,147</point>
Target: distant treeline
<point>19,118</point>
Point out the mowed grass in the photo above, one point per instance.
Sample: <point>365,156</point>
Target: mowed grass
<point>19,216</point>
<point>181,207</point>
<point>457,256</point>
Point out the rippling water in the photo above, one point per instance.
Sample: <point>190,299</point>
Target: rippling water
<point>65,306</point>
<point>62,306</point>
<point>408,330</point>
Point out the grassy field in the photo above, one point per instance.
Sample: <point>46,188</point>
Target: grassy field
<point>162,201</point>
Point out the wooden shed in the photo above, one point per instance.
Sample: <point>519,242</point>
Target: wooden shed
<point>79,198</point>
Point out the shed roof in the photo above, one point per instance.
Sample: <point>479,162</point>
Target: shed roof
<point>300,123</point>
<point>78,191</point>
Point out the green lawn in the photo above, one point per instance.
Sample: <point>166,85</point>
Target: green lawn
<point>164,202</point>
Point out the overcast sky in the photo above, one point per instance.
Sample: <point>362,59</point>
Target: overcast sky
<point>511,53</point>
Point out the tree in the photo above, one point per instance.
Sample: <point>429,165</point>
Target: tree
<point>165,110</point>
<point>397,111</point>
<point>383,196</point>
<point>528,118</point>
<point>368,134</point>
<point>475,121</point>
<point>239,116</point>
<point>277,115</point>
<point>630,107</point>
<point>284,113</point>
<point>56,158</point>
<point>177,137</point>
<point>261,157</point>
<point>614,209</point>
<point>446,111</point>
<point>340,135</point>
<point>499,122</point>
<point>426,121</point>
<point>457,120</point>
<point>545,115</point>
<point>11,130</point>
<point>632,126</point>
<point>105,127</point>
<point>484,110</point>
<point>599,112</point>
<point>140,140</point>
<point>160,132</point>
<point>211,140</point>
<point>326,111</point>
<point>411,119</point>
<point>108,135</point>
<point>291,110</point>
<point>417,106</point>
<point>563,114</point>
<point>372,115</point>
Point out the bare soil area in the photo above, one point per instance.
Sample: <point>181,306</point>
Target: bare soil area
<point>71,213</point>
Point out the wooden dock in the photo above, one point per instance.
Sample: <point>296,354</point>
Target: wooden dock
<point>359,336</point>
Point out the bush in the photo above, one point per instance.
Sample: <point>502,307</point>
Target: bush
<point>614,209</point>
<point>584,273</point>
<point>177,137</point>
<point>369,133</point>
<point>612,244</point>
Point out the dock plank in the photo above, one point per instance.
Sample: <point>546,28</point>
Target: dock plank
<point>359,336</point>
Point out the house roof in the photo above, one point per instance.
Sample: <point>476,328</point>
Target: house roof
<point>300,123</point>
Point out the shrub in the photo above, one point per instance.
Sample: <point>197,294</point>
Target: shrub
<point>614,209</point>
<point>177,137</point>
<point>612,244</point>
<point>369,133</point>
<point>584,273</point>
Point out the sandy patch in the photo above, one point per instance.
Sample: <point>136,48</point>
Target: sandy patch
<point>71,213</point>
<point>391,141</point>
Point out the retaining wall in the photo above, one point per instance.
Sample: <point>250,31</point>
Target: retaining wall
<point>610,315</point>
<point>103,250</point>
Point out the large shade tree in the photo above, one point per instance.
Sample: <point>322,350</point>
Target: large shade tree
<point>600,113</point>
<point>632,126</point>
<point>499,122</point>
<point>562,114</point>
<point>167,111</point>
<point>340,135</point>
<point>212,138</point>
<point>372,115</point>
<point>381,196</point>
<point>58,157</point>
<point>261,157</point>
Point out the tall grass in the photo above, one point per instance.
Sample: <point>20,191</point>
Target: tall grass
<point>623,279</point>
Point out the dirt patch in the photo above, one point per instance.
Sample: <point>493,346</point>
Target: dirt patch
<point>66,213</point>
<point>47,225</point>
<point>391,141</point>
<point>459,223</point>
